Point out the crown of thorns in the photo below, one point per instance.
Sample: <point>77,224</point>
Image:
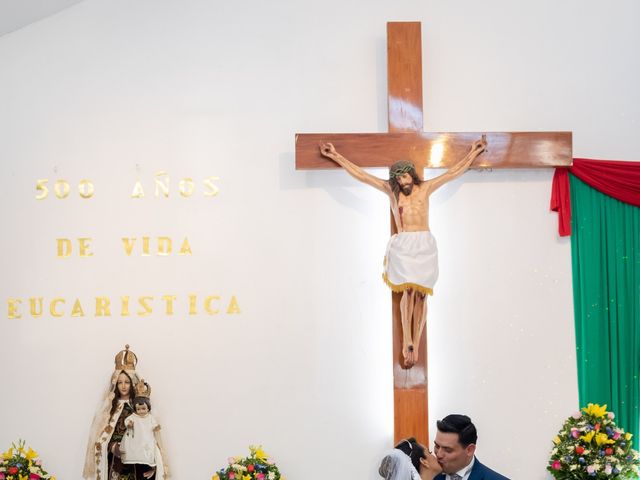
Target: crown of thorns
<point>400,168</point>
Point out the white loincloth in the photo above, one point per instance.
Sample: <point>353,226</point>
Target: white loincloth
<point>411,262</point>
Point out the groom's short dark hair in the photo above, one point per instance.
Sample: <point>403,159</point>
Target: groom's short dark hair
<point>460,424</point>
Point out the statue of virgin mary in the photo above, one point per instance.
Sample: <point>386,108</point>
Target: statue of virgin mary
<point>103,460</point>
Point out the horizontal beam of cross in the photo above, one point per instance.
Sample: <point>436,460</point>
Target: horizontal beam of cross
<point>437,150</point>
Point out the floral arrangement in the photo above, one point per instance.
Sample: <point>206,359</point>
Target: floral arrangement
<point>18,463</point>
<point>257,466</point>
<point>590,445</point>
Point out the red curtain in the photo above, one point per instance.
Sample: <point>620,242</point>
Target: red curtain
<point>618,179</point>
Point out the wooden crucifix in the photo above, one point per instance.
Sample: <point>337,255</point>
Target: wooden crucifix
<point>407,141</point>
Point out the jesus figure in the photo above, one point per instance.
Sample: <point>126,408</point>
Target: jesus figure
<point>411,262</point>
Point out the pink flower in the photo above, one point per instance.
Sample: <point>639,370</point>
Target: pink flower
<point>608,469</point>
<point>34,476</point>
<point>231,460</point>
<point>232,475</point>
<point>259,476</point>
<point>591,469</point>
<point>1,475</point>
<point>575,433</point>
<point>556,465</point>
<point>577,415</point>
<point>616,435</point>
<point>611,415</point>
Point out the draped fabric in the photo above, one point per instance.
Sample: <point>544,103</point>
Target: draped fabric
<point>396,465</point>
<point>620,180</point>
<point>605,248</point>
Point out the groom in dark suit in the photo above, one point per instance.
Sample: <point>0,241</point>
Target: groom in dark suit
<point>455,447</point>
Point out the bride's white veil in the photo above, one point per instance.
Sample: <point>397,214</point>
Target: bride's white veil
<point>396,465</point>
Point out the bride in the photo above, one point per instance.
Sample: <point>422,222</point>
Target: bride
<point>409,461</point>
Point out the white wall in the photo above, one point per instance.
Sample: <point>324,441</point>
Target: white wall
<point>114,91</point>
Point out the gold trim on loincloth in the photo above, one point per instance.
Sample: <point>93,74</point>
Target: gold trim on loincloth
<point>406,286</point>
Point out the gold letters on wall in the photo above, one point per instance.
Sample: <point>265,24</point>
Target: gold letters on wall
<point>169,305</point>
<point>162,187</point>
<point>125,306</point>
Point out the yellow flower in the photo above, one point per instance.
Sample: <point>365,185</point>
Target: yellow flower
<point>628,436</point>
<point>595,410</point>
<point>31,454</point>
<point>603,439</point>
<point>8,454</point>
<point>556,440</point>
<point>23,477</point>
<point>246,477</point>
<point>261,454</point>
<point>588,437</point>
<point>215,477</point>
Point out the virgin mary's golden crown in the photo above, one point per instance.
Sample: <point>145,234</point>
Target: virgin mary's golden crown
<point>126,359</point>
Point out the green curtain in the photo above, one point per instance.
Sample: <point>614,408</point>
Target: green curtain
<point>605,249</point>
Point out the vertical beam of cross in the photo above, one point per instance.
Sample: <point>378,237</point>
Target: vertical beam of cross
<point>405,112</point>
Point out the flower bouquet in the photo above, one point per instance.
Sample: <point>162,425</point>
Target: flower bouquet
<point>590,445</point>
<point>18,463</point>
<point>256,466</point>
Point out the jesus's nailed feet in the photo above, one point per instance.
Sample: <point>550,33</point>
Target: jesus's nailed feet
<point>409,356</point>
